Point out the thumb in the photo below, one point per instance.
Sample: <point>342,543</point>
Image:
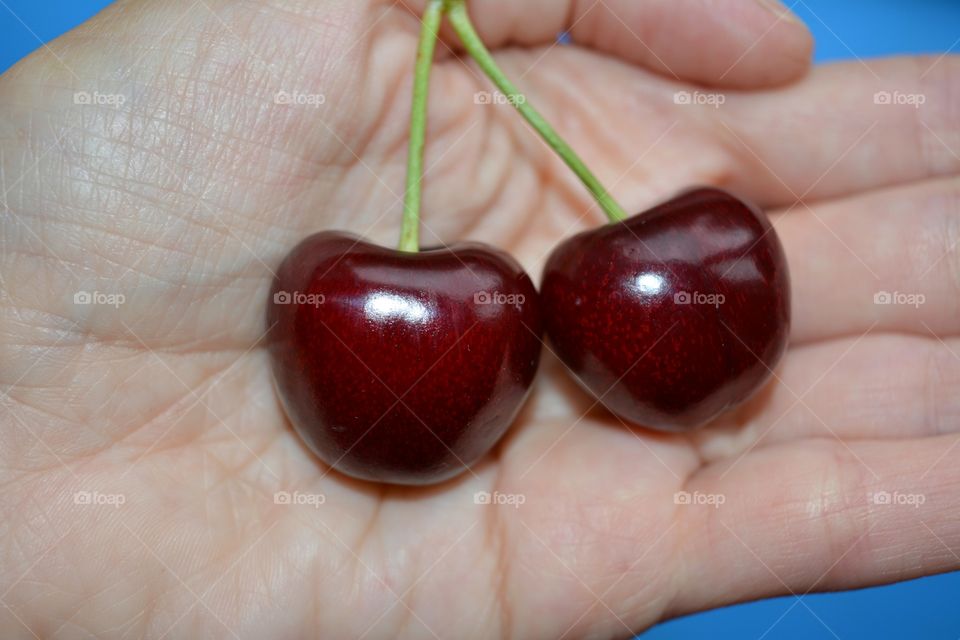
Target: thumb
<point>724,43</point>
<point>727,43</point>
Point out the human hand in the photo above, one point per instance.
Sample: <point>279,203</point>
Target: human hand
<point>185,196</point>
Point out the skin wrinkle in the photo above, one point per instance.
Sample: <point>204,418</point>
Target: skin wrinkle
<point>572,192</point>
<point>357,151</point>
<point>933,381</point>
<point>383,493</point>
<point>395,152</point>
<point>496,532</point>
<point>516,131</point>
<point>393,106</point>
<point>504,174</point>
<point>841,481</point>
<point>528,222</point>
<point>217,230</point>
<point>588,115</point>
<point>108,258</point>
<point>941,88</point>
<point>235,196</point>
<point>188,397</point>
<point>205,346</point>
<point>951,237</point>
<point>173,405</point>
<point>853,481</point>
<point>699,522</point>
<point>243,139</point>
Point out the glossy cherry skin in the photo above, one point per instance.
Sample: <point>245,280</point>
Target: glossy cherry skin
<point>675,315</point>
<point>401,367</point>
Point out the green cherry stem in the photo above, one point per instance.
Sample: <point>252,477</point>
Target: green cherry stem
<point>410,229</point>
<point>460,20</point>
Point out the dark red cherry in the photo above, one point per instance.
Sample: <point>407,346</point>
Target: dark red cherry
<point>401,367</point>
<point>675,315</point>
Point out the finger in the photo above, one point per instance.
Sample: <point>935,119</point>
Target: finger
<point>889,260</point>
<point>850,389</point>
<point>732,43</point>
<point>837,516</point>
<point>847,128</point>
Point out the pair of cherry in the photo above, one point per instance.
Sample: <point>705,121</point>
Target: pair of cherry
<point>407,366</point>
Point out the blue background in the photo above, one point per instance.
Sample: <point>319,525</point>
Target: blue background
<point>928,608</point>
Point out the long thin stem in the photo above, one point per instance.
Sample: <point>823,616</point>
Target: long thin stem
<point>410,230</point>
<point>460,20</point>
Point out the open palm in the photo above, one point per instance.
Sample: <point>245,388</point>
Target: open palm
<point>143,446</point>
